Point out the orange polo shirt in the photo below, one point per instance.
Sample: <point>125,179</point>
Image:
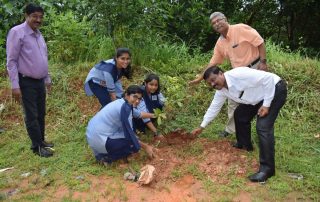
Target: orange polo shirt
<point>240,46</point>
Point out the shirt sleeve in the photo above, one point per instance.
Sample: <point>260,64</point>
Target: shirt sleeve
<point>217,57</point>
<point>13,50</point>
<point>109,82</point>
<point>270,88</point>
<point>136,113</point>
<point>142,107</point>
<point>162,99</point>
<point>214,108</point>
<point>118,88</point>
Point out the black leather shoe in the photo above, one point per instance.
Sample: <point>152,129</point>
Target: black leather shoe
<point>42,152</point>
<point>260,176</point>
<point>240,146</point>
<point>46,144</point>
<point>224,134</point>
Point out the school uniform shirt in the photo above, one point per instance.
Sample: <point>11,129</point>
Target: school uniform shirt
<point>27,54</point>
<point>106,124</point>
<point>111,82</point>
<point>142,107</point>
<point>245,86</point>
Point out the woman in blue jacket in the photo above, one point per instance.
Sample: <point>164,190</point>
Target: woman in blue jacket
<point>110,133</point>
<point>103,80</point>
<point>152,99</point>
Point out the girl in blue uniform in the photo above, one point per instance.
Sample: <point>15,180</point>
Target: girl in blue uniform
<point>152,99</point>
<point>103,80</point>
<point>110,133</point>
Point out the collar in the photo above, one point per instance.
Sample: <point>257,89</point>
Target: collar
<point>228,33</point>
<point>29,30</point>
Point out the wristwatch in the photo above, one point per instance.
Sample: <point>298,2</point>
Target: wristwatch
<point>264,61</point>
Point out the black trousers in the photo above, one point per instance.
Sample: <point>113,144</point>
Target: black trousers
<point>243,116</point>
<point>34,104</point>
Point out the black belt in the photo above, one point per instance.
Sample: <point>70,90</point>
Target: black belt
<point>254,62</point>
<point>30,78</point>
<point>279,83</point>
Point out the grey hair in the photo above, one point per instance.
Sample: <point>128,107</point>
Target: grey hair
<point>216,14</point>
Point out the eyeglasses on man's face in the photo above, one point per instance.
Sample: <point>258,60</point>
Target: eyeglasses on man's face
<point>216,21</point>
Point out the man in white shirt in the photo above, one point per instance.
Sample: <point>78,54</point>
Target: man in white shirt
<point>258,93</point>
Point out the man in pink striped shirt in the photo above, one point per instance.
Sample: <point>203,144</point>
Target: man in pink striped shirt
<point>27,65</point>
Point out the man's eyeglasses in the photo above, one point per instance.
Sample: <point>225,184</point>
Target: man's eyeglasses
<point>36,16</point>
<point>217,21</point>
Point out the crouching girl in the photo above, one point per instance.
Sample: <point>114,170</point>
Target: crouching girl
<point>110,133</point>
<point>152,99</point>
<point>104,79</point>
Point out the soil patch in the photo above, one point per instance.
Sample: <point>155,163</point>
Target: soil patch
<point>181,166</point>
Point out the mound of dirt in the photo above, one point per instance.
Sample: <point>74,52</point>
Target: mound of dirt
<point>217,160</point>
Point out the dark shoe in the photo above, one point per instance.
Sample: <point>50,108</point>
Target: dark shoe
<point>240,146</point>
<point>260,176</point>
<point>224,134</point>
<point>43,152</point>
<point>46,144</point>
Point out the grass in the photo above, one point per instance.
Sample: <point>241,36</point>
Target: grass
<point>69,110</point>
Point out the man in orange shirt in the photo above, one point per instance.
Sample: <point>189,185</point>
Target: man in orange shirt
<point>242,46</point>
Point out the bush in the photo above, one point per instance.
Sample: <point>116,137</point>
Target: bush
<point>68,40</point>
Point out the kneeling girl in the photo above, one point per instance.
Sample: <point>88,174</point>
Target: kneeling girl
<point>110,133</point>
<point>152,99</point>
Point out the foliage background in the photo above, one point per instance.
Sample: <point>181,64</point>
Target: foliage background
<point>292,24</point>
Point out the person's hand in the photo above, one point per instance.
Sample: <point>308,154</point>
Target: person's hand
<point>159,138</point>
<point>196,132</point>
<point>196,81</point>
<point>150,151</point>
<point>48,87</point>
<point>263,111</point>
<point>263,66</point>
<point>16,94</point>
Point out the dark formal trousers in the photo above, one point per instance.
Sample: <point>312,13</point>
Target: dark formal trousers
<point>265,127</point>
<point>34,104</point>
<point>101,93</point>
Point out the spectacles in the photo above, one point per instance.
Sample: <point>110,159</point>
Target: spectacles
<point>217,21</point>
<point>136,97</point>
<point>36,16</point>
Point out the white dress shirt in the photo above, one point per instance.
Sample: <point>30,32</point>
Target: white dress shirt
<point>245,86</point>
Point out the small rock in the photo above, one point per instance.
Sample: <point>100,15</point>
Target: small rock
<point>25,174</point>
<point>43,172</point>
<point>80,177</point>
<point>12,192</point>
<point>296,176</point>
